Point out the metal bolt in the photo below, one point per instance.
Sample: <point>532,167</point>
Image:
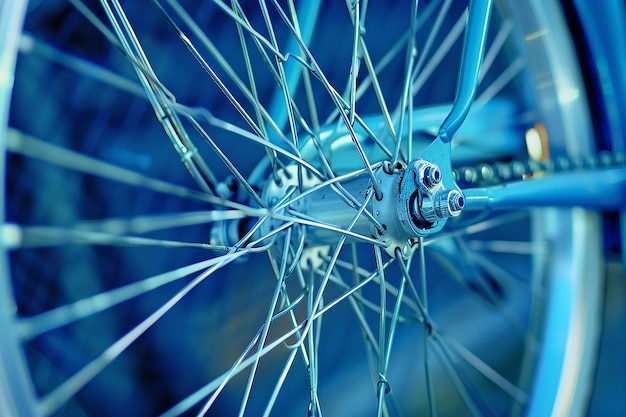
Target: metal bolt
<point>426,174</point>
<point>449,203</point>
<point>432,175</point>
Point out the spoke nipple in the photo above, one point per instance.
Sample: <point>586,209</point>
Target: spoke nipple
<point>383,384</point>
<point>406,250</point>
<point>429,327</point>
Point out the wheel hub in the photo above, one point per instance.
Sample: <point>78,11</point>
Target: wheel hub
<point>415,203</point>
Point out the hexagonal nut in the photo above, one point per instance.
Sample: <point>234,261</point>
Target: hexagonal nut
<point>449,203</point>
<point>426,174</point>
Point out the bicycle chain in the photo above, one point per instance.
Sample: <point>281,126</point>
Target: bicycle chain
<point>486,174</point>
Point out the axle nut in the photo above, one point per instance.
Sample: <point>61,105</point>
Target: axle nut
<point>449,203</point>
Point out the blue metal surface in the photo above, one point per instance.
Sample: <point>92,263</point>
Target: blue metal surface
<point>473,51</point>
<point>603,189</point>
<point>438,152</point>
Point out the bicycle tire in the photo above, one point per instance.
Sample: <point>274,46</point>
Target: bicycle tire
<point>574,271</point>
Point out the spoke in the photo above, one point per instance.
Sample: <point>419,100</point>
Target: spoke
<point>371,345</point>
<point>383,386</point>
<point>360,51</point>
<point>336,279</point>
<point>118,231</point>
<point>496,271</point>
<point>406,104</point>
<point>463,381</point>
<point>354,8</point>
<point>266,327</point>
<point>388,58</point>
<point>228,94</point>
<point>251,93</point>
<point>487,269</point>
<point>96,22</point>
<point>427,331</point>
<point>393,291</point>
<point>60,395</point>
<point>226,378</point>
<point>311,13</point>
<point>33,326</point>
<point>423,307</point>
<point>300,218</point>
<point>515,247</point>
<point>19,237</point>
<point>404,269</point>
<point>443,49</point>
<point>115,41</point>
<point>372,349</point>
<point>83,67</point>
<point>499,83</point>
<point>254,99</point>
<point>153,222</point>
<point>305,29</point>
<point>336,98</point>
<point>346,295</point>
<point>378,91</point>
<point>480,226</point>
<point>333,183</point>
<point>237,367</point>
<point>432,35</point>
<point>240,366</point>
<point>197,167</point>
<point>244,134</point>
<point>282,77</point>
<point>488,372</point>
<point>229,164</point>
<point>327,183</point>
<point>453,372</point>
<point>31,147</point>
<point>280,383</point>
<point>204,391</point>
<point>495,48</point>
<point>330,267</point>
<point>213,75</point>
<point>368,334</point>
<point>313,369</point>
<point>263,44</point>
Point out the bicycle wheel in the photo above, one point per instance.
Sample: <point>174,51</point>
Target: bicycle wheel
<point>257,276</point>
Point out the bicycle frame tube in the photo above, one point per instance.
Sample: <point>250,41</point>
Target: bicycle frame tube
<point>601,189</point>
<point>473,50</point>
<point>438,152</point>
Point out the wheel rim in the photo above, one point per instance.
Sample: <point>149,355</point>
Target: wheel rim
<point>559,115</point>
